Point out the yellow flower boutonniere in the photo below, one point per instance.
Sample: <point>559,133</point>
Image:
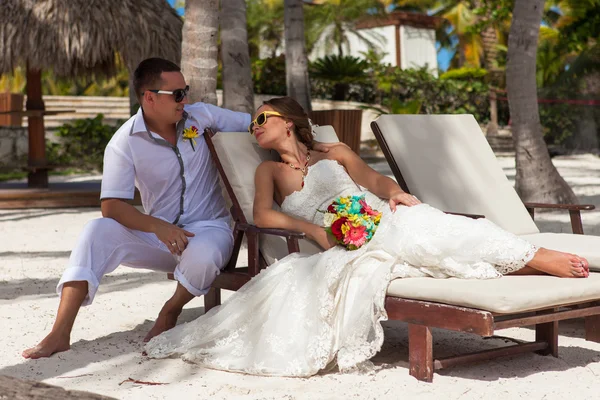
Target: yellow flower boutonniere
<point>190,134</point>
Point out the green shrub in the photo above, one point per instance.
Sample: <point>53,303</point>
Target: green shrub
<point>561,121</point>
<point>81,144</point>
<point>338,73</point>
<point>437,96</point>
<point>268,76</point>
<point>465,73</point>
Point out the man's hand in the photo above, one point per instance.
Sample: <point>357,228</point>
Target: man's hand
<point>175,238</point>
<point>325,147</point>
<point>402,198</point>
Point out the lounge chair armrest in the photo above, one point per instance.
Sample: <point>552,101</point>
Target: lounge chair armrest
<point>209,132</point>
<point>291,237</point>
<point>271,231</point>
<point>571,207</point>
<point>574,212</point>
<point>474,216</point>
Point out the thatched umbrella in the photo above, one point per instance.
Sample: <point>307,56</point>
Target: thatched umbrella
<point>79,38</point>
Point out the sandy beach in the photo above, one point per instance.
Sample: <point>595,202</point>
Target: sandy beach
<point>107,338</point>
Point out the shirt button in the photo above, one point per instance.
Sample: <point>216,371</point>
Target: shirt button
<point>178,155</point>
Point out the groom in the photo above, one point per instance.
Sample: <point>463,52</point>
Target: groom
<point>162,152</point>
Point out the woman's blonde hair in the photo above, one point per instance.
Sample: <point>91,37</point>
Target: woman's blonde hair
<point>294,112</point>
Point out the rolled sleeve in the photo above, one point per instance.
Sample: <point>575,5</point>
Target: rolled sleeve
<point>220,119</point>
<point>118,177</point>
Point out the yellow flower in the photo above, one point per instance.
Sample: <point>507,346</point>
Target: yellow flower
<point>345,228</point>
<point>190,134</point>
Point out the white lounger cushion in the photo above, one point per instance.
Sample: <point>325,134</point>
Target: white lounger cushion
<point>506,295</point>
<point>583,245</point>
<point>240,155</point>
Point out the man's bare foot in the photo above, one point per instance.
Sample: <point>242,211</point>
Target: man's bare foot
<point>53,343</point>
<point>560,264</point>
<point>166,320</point>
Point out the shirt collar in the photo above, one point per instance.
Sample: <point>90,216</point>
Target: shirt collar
<point>139,125</point>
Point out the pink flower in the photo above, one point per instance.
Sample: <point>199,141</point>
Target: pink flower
<point>367,209</point>
<point>356,235</point>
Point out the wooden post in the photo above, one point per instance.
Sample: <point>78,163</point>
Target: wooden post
<point>420,352</point>
<point>398,47</point>
<point>547,332</point>
<point>11,102</point>
<point>212,298</point>
<point>592,328</point>
<point>38,172</point>
<point>346,123</point>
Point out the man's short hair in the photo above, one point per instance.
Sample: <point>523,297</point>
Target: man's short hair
<point>147,74</point>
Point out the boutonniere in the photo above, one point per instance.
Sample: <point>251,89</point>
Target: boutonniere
<point>190,134</point>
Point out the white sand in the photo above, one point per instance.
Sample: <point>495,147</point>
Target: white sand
<point>106,350</point>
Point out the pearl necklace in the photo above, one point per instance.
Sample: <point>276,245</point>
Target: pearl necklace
<point>304,169</point>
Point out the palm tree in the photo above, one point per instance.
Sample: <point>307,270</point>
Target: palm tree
<point>537,179</point>
<point>332,21</point>
<point>199,49</point>
<point>296,62</point>
<point>238,92</point>
<point>265,26</point>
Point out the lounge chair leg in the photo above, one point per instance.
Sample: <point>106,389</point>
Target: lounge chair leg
<point>592,328</point>
<point>212,298</point>
<point>420,352</point>
<point>547,332</point>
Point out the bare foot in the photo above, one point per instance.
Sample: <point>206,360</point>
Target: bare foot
<point>53,343</point>
<point>560,264</point>
<point>166,320</point>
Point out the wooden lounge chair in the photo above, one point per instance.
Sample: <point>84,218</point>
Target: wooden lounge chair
<point>446,162</point>
<point>479,307</point>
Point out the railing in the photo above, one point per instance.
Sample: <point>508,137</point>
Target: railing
<point>113,109</point>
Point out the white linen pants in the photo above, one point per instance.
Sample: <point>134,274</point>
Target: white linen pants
<point>105,244</point>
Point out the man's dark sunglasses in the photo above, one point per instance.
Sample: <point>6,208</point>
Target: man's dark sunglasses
<point>178,94</point>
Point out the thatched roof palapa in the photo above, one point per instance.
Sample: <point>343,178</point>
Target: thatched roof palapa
<point>81,37</point>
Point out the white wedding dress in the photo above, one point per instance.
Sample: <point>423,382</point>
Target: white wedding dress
<point>306,313</point>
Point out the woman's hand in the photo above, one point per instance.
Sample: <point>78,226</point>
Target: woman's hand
<point>323,239</point>
<point>402,198</point>
<point>325,147</point>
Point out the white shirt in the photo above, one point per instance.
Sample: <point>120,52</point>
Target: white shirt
<point>179,184</point>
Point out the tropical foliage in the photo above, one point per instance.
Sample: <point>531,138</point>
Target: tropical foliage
<point>81,143</point>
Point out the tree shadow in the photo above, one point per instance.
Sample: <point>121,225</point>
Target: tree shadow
<point>46,288</point>
<point>29,214</point>
<point>84,353</point>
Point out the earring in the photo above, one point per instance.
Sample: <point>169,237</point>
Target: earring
<point>288,132</point>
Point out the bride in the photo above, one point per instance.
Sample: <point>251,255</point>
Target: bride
<point>307,313</point>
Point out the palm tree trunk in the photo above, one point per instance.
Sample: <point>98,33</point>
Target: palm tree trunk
<point>489,41</point>
<point>537,179</point>
<point>238,94</point>
<point>199,49</point>
<point>296,62</point>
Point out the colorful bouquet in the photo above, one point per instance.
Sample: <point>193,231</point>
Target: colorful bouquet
<point>351,221</point>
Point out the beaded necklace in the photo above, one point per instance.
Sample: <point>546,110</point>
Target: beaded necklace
<point>304,169</point>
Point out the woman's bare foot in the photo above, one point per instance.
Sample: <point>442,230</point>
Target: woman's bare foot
<point>560,264</point>
<point>166,320</point>
<point>53,343</point>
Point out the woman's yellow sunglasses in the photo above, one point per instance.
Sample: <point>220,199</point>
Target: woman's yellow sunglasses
<point>261,119</point>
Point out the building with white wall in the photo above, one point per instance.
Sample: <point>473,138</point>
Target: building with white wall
<point>406,40</point>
